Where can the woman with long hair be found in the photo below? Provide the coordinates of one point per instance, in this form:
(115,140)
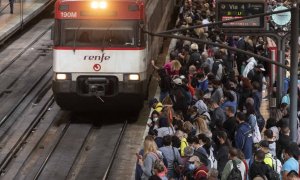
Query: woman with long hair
(201,127)
(151,154)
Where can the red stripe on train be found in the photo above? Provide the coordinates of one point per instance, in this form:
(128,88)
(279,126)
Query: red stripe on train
(93,48)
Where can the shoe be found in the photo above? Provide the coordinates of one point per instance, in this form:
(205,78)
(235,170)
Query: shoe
(11,12)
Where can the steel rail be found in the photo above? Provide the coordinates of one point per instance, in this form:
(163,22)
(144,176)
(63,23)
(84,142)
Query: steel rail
(12,110)
(24,50)
(1,10)
(37,175)
(26,134)
(115,152)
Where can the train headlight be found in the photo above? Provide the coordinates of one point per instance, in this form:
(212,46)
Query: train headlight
(134,77)
(94,5)
(63,76)
(103,5)
(99,5)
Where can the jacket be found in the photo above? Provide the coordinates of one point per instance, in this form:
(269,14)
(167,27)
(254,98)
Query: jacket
(222,157)
(252,63)
(218,118)
(244,140)
(183,145)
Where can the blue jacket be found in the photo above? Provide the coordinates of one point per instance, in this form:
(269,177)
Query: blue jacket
(244,139)
(229,103)
(203,86)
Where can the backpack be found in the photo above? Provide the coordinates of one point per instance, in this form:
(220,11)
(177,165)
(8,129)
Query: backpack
(212,159)
(216,67)
(179,98)
(203,158)
(256,134)
(255,131)
(272,174)
(160,160)
(235,173)
(247,134)
(277,166)
(260,122)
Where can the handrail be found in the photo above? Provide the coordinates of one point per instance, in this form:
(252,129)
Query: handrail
(4,8)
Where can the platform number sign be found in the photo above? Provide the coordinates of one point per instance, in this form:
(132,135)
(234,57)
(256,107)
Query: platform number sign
(232,9)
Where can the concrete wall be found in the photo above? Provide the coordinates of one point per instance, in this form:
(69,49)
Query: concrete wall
(158,16)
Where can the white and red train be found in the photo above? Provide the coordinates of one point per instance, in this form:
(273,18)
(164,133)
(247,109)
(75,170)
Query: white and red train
(99,54)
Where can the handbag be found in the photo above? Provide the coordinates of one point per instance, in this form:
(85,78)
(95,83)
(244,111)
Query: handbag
(178,169)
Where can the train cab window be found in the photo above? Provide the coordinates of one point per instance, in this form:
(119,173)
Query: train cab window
(100,34)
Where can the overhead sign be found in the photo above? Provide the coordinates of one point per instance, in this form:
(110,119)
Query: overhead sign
(233,9)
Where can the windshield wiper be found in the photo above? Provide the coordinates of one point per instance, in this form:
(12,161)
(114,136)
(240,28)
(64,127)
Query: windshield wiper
(75,38)
(104,38)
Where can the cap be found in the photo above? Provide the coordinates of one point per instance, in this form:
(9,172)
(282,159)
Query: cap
(194,159)
(264,143)
(177,81)
(194,46)
(188,151)
(261,67)
(182,77)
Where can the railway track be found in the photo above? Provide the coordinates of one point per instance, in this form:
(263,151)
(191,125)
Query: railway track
(25,76)
(21,60)
(72,152)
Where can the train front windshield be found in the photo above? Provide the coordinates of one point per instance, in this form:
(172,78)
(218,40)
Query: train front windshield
(97,33)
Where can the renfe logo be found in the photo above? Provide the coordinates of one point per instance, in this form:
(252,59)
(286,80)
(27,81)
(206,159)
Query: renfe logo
(100,58)
(97,67)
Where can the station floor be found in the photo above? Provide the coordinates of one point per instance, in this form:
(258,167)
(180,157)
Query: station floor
(24,11)
(265,107)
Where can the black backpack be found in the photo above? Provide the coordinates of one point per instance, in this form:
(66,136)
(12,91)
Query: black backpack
(272,174)
(203,158)
(216,67)
(235,173)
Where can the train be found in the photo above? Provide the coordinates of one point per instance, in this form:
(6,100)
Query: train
(100,55)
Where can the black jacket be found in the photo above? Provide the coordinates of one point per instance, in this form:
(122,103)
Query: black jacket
(230,125)
(222,157)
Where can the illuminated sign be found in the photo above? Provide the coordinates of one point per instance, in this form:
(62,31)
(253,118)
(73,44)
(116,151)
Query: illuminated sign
(233,9)
(98,13)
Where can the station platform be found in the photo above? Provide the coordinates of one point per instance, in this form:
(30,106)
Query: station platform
(265,106)
(24,11)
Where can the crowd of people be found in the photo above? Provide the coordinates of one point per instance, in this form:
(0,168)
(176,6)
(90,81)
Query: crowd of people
(206,122)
